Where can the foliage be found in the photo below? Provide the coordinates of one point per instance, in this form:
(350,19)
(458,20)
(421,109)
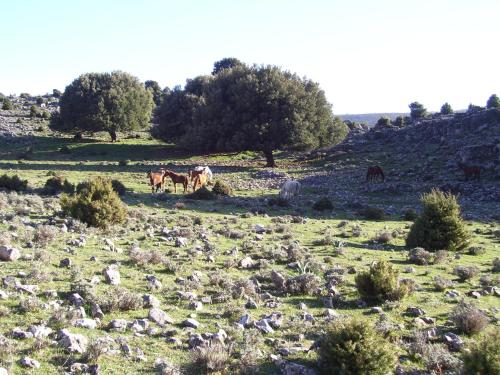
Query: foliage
(383,122)
(419,256)
(496,265)
(7,104)
(472,108)
(35,111)
(446,109)
(118,187)
(214,357)
(259,108)
(13,182)
(323,204)
(95,203)
(56,93)
(202,194)
(468,318)
(221,188)
(108,102)
(58,184)
(440,225)
(483,358)
(226,63)
(156,91)
(372,213)
(400,121)
(354,347)
(417,111)
(493,102)
(380,283)
(410,214)
(465,272)
(278,201)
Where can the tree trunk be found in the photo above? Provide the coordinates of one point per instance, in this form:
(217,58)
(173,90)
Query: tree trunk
(269,158)
(112,134)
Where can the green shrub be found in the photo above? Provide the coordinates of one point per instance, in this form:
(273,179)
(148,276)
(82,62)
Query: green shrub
(58,184)
(380,283)
(410,214)
(280,202)
(34,111)
(483,356)
(202,194)
(419,256)
(496,265)
(118,187)
(465,272)
(95,203)
(353,347)
(13,183)
(468,318)
(323,204)
(7,105)
(440,225)
(372,213)
(221,188)
(476,250)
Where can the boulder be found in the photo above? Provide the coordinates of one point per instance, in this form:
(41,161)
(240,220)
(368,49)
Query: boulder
(72,342)
(159,316)
(9,254)
(111,275)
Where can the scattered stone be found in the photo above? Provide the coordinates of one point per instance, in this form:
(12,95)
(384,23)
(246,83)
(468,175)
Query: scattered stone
(9,254)
(18,333)
(454,341)
(95,311)
(40,331)
(65,263)
(259,229)
(76,300)
(118,324)
(111,275)
(159,316)
(72,342)
(415,311)
(3,371)
(85,323)
(149,301)
(29,362)
(376,310)
(192,323)
(251,304)
(263,326)
(195,305)
(181,242)
(246,262)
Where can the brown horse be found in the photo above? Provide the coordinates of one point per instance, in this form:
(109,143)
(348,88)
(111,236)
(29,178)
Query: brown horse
(471,172)
(156,180)
(178,179)
(374,173)
(192,173)
(200,179)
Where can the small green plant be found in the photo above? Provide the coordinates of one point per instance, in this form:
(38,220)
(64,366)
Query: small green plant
(372,213)
(202,194)
(118,187)
(380,283)
(221,188)
(13,183)
(58,184)
(354,347)
(323,204)
(95,203)
(440,225)
(483,357)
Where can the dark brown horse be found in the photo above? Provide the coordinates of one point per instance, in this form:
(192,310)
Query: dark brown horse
(471,172)
(178,179)
(156,180)
(374,173)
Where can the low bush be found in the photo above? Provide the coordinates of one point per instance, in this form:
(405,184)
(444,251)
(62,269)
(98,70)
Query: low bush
(381,283)
(280,202)
(354,347)
(45,234)
(419,256)
(123,163)
(305,284)
(476,250)
(440,256)
(468,318)
(221,188)
(323,204)
(95,203)
(496,265)
(211,358)
(465,272)
(440,225)
(372,213)
(13,183)
(58,184)
(483,357)
(202,194)
(410,214)
(382,237)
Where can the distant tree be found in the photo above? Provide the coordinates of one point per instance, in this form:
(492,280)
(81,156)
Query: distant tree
(25,95)
(155,90)
(383,122)
(474,108)
(399,121)
(249,108)
(446,109)
(56,93)
(417,111)
(493,102)
(35,111)
(7,104)
(40,100)
(108,102)
(226,63)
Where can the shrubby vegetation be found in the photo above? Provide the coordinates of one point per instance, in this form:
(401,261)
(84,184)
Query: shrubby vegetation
(14,183)
(95,203)
(239,108)
(440,225)
(109,102)
(417,111)
(221,188)
(323,204)
(353,347)
(58,184)
(483,357)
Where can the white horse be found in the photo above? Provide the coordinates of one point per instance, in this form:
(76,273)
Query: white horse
(290,189)
(205,170)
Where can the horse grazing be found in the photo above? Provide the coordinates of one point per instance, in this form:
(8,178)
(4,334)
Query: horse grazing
(289,189)
(199,170)
(471,172)
(374,173)
(177,179)
(200,179)
(156,180)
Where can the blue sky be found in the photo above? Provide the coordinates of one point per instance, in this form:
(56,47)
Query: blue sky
(368,56)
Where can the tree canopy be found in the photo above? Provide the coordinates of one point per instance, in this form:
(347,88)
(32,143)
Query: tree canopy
(493,102)
(155,90)
(108,102)
(417,111)
(258,108)
(446,109)
(226,63)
